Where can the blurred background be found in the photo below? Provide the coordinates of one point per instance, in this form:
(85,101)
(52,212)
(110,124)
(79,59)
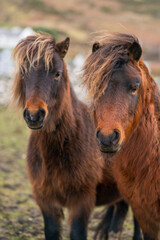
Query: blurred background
(20,218)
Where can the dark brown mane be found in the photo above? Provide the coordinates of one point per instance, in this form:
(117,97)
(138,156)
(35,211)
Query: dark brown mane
(112,52)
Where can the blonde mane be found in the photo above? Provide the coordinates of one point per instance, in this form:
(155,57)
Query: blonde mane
(99,66)
(32,49)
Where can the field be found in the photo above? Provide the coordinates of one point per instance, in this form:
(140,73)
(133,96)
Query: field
(79,18)
(20,218)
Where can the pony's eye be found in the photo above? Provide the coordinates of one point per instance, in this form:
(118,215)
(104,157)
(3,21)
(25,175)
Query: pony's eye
(57,74)
(133,89)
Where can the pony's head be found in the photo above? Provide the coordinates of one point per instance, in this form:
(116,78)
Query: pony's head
(116,84)
(41,80)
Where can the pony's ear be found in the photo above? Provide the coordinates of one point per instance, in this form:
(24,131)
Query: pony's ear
(62,47)
(135,51)
(95,46)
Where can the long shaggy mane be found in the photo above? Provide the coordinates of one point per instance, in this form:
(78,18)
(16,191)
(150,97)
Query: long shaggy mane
(34,48)
(99,66)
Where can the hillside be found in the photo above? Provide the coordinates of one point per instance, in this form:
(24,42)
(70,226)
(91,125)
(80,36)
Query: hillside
(79,18)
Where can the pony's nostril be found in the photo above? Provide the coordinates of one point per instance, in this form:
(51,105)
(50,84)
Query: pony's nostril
(115,137)
(26,114)
(42,114)
(97,133)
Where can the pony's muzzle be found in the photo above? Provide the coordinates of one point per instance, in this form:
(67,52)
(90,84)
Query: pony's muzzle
(109,143)
(34,120)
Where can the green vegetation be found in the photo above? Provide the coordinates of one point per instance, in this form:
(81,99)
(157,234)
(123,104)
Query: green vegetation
(13,131)
(79,19)
(105,9)
(72,12)
(52,31)
(41,6)
(151,7)
(17,207)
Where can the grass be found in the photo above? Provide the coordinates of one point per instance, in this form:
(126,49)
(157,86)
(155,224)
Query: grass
(41,6)
(72,12)
(51,31)
(80,18)
(105,9)
(20,218)
(13,131)
(150,7)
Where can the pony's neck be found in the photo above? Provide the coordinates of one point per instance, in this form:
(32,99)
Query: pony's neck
(62,118)
(142,149)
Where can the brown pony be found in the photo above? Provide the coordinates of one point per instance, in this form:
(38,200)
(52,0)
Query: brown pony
(126,105)
(64,164)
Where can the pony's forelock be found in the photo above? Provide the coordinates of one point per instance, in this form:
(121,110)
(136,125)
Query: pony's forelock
(99,66)
(27,54)
(31,50)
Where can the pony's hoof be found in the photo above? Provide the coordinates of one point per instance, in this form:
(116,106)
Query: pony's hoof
(114,236)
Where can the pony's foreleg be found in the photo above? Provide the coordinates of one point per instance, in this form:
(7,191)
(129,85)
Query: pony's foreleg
(118,220)
(79,221)
(104,226)
(137,230)
(52,224)
(79,228)
(112,222)
(120,212)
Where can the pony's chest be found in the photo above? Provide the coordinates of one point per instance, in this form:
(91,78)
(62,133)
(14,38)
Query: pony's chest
(64,175)
(64,185)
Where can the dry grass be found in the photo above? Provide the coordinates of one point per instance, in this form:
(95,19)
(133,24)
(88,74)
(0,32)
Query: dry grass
(79,18)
